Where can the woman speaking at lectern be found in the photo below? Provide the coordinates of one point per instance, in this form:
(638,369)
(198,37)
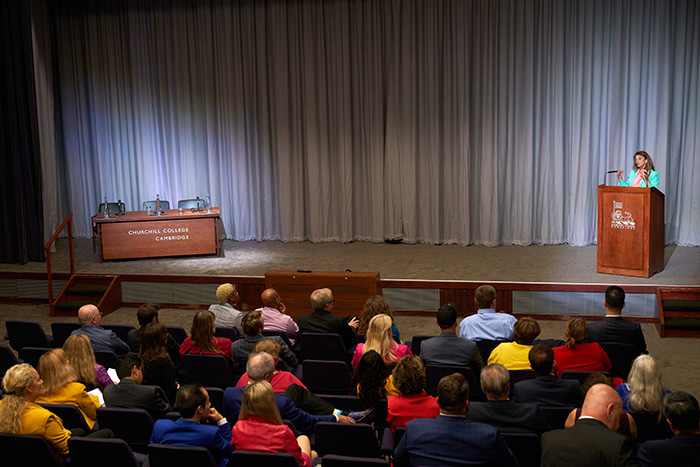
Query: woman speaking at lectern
(642,173)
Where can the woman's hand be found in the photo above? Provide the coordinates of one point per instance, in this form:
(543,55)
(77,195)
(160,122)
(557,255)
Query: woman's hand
(619,175)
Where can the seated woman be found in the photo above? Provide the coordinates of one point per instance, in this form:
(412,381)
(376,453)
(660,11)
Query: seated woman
(412,401)
(372,380)
(253,325)
(644,390)
(82,359)
(260,428)
(379,339)
(377,305)
(60,386)
(158,368)
(514,355)
(577,355)
(201,339)
(627,425)
(281,380)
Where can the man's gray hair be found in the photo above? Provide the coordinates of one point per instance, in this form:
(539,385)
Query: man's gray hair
(260,365)
(320,298)
(494,380)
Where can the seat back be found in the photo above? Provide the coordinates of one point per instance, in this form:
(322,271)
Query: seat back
(113,207)
(358,440)
(263,459)
(342,401)
(486,347)
(85,451)
(322,346)
(121,330)
(580,375)
(334,460)
(106,358)
(216,397)
(524,446)
(210,370)
(27,334)
(228,333)
(7,360)
(134,426)
(18,449)
(163,455)
(178,333)
(32,355)
(61,332)
(556,416)
(152,204)
(417,341)
(621,357)
(281,334)
(434,373)
(196,203)
(519,375)
(70,414)
(325,376)
(650,427)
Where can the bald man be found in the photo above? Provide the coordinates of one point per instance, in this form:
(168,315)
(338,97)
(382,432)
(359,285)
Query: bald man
(273,314)
(101,339)
(593,439)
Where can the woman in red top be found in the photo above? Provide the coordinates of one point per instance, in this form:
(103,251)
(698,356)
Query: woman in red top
(281,380)
(202,340)
(413,402)
(260,427)
(577,355)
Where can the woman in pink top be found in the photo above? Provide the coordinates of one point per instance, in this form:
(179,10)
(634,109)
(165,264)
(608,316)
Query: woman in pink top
(380,340)
(281,380)
(260,427)
(577,355)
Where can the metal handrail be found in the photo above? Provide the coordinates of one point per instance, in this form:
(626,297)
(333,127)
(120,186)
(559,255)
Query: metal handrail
(47,248)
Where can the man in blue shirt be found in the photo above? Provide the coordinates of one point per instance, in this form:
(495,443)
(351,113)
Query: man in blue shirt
(101,339)
(193,403)
(487,324)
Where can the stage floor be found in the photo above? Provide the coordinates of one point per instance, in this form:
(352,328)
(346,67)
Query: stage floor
(546,264)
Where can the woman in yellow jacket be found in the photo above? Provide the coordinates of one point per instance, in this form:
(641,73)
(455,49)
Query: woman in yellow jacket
(60,386)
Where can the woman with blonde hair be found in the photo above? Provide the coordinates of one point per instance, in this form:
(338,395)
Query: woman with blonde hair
(379,339)
(644,390)
(158,368)
(260,426)
(82,359)
(577,355)
(202,340)
(377,305)
(61,387)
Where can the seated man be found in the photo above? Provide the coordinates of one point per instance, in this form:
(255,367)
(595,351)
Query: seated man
(253,326)
(323,320)
(130,394)
(260,367)
(273,314)
(101,339)
(226,315)
(614,328)
(193,403)
(514,355)
(486,324)
(146,314)
(450,438)
(499,411)
(546,389)
(683,416)
(448,348)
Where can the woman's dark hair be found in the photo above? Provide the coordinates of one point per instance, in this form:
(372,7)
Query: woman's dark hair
(154,343)
(368,379)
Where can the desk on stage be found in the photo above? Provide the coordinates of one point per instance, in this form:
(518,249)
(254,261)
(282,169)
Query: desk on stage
(135,234)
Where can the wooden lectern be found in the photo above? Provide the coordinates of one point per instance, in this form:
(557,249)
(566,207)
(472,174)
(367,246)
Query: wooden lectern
(630,231)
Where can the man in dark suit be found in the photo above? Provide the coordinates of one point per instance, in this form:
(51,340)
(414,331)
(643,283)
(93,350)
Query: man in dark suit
(683,416)
(260,367)
(546,389)
(593,439)
(129,394)
(147,314)
(614,328)
(323,320)
(193,403)
(499,411)
(451,439)
(448,348)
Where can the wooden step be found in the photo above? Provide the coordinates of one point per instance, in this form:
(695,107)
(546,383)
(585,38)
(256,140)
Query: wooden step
(678,312)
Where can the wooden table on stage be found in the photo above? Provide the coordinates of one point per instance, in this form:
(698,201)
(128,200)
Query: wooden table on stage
(135,234)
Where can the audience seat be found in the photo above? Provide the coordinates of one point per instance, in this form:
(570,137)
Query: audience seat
(342,401)
(417,341)
(391,440)
(323,346)
(328,377)
(7,360)
(162,455)
(519,375)
(121,330)
(210,370)
(433,374)
(621,357)
(27,450)
(87,452)
(333,460)
(70,414)
(281,334)
(486,347)
(61,332)
(556,416)
(27,334)
(228,333)
(178,333)
(32,355)
(106,358)
(262,459)
(581,375)
(525,446)
(358,440)
(134,426)
(650,427)
(216,397)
